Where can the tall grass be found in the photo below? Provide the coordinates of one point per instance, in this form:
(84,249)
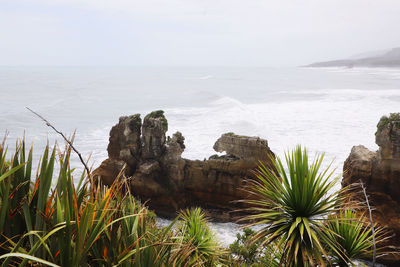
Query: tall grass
(68,225)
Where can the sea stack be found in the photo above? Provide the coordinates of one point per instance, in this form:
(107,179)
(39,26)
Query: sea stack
(380,172)
(159,175)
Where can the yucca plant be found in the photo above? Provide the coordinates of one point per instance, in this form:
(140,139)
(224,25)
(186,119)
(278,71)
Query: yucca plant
(200,241)
(352,232)
(291,205)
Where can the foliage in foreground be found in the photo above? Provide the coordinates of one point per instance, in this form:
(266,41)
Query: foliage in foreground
(297,209)
(351,231)
(254,254)
(60,224)
(244,251)
(67,225)
(194,229)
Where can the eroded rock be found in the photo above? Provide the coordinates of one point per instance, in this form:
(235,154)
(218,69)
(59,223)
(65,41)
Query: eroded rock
(154,128)
(358,165)
(159,175)
(108,171)
(243,147)
(380,172)
(125,143)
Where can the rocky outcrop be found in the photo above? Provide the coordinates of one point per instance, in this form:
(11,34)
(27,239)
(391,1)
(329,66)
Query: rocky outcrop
(125,143)
(159,175)
(154,128)
(380,172)
(245,148)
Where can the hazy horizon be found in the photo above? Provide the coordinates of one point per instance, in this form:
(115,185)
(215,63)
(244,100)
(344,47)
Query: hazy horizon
(193,32)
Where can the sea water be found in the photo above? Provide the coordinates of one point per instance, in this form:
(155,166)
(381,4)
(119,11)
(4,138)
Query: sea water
(326,110)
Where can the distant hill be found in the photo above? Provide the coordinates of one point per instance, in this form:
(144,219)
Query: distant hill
(388,58)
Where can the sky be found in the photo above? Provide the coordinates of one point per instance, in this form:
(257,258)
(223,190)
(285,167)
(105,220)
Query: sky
(193,32)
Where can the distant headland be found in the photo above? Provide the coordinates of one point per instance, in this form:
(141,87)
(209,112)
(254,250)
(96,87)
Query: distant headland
(388,58)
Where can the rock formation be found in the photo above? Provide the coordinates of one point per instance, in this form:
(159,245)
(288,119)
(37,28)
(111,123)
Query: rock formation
(380,172)
(158,174)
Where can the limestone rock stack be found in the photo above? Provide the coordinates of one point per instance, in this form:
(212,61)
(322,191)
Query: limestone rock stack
(158,174)
(380,172)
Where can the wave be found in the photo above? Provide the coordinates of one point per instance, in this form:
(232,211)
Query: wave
(207,77)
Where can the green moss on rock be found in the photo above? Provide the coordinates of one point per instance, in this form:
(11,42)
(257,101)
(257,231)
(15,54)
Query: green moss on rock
(235,135)
(223,157)
(180,139)
(385,121)
(135,122)
(158,114)
(177,137)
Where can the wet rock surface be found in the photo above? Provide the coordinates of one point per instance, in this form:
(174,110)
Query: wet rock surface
(380,172)
(159,175)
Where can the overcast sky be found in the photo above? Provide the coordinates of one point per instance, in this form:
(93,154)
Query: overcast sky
(193,32)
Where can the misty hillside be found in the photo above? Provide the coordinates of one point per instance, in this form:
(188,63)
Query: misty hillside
(390,58)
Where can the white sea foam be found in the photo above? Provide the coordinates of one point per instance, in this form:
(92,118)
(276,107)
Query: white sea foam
(206,77)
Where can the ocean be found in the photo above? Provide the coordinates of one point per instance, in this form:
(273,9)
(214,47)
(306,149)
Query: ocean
(327,110)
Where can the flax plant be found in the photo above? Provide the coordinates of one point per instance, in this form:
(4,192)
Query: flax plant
(48,220)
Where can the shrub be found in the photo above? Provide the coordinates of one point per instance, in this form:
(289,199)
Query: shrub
(302,216)
(291,205)
(352,232)
(244,251)
(203,248)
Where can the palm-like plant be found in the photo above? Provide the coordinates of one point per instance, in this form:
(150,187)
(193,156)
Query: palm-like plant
(199,239)
(352,232)
(292,205)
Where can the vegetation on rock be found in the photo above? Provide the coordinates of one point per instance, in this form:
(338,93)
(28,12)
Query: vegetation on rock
(177,137)
(135,122)
(158,114)
(384,121)
(235,135)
